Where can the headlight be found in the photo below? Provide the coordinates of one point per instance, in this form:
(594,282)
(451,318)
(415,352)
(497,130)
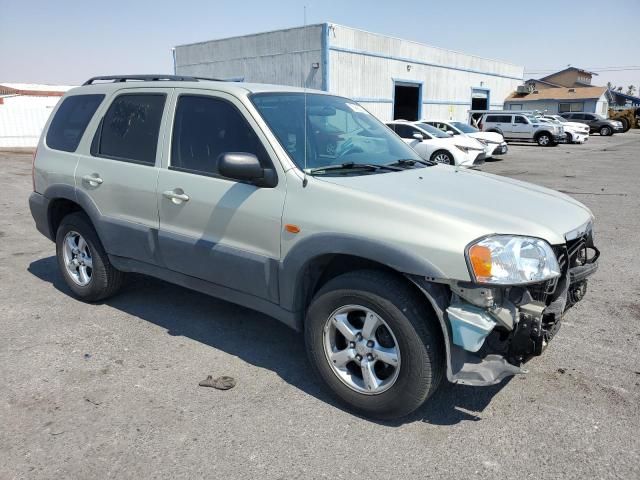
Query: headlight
(468,149)
(510,260)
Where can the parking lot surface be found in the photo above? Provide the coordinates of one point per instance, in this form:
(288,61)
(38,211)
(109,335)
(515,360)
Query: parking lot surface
(111,390)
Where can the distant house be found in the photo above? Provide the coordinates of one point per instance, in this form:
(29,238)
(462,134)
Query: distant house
(569,77)
(24,110)
(568,90)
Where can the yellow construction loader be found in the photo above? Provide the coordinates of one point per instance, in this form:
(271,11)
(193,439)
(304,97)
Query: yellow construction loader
(630,117)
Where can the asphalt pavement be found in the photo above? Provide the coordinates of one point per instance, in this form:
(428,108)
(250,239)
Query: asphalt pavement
(111,390)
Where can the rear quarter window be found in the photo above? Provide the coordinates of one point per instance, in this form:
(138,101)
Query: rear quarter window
(71,120)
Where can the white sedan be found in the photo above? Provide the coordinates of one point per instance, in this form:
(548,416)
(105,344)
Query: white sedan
(576,132)
(494,141)
(433,144)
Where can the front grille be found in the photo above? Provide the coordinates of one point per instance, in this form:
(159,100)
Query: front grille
(569,255)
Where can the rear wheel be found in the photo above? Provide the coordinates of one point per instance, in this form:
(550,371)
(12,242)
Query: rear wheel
(442,156)
(374,344)
(606,131)
(82,260)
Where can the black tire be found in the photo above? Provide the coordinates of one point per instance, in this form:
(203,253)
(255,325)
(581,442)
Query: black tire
(569,138)
(105,279)
(606,131)
(545,139)
(442,154)
(625,124)
(414,326)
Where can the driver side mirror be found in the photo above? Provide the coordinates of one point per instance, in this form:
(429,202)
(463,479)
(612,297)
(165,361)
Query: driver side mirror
(246,167)
(418,136)
(450,133)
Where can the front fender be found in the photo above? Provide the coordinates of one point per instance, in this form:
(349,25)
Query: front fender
(294,265)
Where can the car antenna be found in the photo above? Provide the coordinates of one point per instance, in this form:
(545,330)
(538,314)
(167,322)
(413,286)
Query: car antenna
(304,119)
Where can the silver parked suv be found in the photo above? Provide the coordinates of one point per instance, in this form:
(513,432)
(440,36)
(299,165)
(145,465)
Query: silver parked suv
(522,127)
(304,206)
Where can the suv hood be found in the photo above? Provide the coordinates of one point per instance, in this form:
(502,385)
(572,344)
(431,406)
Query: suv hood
(575,126)
(469,204)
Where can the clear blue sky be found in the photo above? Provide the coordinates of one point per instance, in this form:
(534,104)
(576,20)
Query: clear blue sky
(67,41)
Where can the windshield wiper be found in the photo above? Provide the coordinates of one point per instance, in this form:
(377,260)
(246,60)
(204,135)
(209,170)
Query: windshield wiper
(410,162)
(353,166)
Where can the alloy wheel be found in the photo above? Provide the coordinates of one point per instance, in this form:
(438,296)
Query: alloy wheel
(77,258)
(443,158)
(361,349)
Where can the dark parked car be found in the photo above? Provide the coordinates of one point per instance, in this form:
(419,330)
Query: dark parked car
(597,123)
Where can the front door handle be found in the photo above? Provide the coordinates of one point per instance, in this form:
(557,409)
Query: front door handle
(93,180)
(177,196)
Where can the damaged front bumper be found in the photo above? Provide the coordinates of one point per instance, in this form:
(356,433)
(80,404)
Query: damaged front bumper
(492,331)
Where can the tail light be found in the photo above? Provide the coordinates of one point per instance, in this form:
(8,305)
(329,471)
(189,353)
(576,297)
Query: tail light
(33,169)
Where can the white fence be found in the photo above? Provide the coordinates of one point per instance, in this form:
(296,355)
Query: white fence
(22,120)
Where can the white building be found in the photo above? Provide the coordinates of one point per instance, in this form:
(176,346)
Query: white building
(24,110)
(393,78)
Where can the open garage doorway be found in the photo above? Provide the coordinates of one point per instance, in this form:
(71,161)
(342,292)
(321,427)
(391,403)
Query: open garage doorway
(479,99)
(407,101)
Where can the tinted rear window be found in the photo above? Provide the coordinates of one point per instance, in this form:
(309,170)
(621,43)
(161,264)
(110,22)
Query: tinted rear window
(71,120)
(498,119)
(130,128)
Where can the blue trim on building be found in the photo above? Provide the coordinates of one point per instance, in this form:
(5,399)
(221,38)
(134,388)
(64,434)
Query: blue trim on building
(173,54)
(325,57)
(372,100)
(424,102)
(418,62)
(446,102)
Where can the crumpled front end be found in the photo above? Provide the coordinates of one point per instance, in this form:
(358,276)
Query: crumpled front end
(493,331)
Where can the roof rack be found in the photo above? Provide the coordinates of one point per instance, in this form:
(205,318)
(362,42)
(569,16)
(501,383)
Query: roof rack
(147,78)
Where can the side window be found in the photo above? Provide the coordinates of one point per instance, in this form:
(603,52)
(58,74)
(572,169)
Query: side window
(71,120)
(498,119)
(589,117)
(577,116)
(205,128)
(521,119)
(129,129)
(405,131)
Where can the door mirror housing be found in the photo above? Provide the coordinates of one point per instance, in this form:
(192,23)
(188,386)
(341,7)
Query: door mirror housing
(246,167)
(450,133)
(418,136)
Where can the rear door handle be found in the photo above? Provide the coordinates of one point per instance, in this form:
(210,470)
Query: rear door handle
(177,196)
(93,180)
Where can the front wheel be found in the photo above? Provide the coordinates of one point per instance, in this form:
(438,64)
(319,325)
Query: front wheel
(569,138)
(444,157)
(375,345)
(545,140)
(606,131)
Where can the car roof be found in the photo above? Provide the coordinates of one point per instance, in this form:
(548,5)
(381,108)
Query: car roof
(234,88)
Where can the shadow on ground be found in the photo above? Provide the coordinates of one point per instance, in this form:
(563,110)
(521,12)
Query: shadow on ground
(257,339)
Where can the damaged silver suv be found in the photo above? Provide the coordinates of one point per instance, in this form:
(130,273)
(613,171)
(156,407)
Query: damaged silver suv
(302,205)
